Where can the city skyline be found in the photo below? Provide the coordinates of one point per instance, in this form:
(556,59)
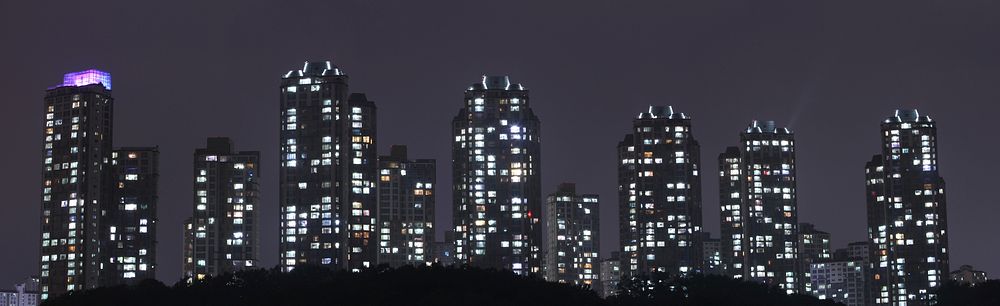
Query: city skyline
(585,133)
(496,127)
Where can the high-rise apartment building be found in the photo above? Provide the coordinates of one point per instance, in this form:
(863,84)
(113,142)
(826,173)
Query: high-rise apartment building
(406,209)
(77,139)
(98,204)
(907,212)
(328,172)
(814,246)
(572,249)
(496,164)
(130,234)
(224,222)
(757,192)
(659,195)
(732,242)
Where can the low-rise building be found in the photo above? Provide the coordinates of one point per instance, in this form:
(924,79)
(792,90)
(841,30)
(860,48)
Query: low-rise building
(967,276)
(24,294)
(844,278)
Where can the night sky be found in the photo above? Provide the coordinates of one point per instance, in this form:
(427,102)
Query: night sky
(830,70)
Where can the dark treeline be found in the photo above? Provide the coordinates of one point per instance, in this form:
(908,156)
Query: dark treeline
(662,289)
(457,286)
(983,294)
(321,286)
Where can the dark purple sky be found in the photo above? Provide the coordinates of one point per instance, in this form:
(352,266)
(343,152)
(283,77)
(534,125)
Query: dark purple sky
(831,70)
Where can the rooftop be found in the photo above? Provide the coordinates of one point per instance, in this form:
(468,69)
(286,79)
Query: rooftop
(766,127)
(661,112)
(495,82)
(314,69)
(87,77)
(907,115)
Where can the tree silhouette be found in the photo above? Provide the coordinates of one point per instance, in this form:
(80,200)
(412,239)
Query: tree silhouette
(435,285)
(953,293)
(664,289)
(309,285)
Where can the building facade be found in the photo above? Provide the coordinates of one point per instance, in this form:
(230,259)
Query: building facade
(572,249)
(224,221)
(659,195)
(23,294)
(712,255)
(444,250)
(406,209)
(759,216)
(840,280)
(327,175)
(611,275)
(130,237)
(858,249)
(814,246)
(496,170)
(187,250)
(907,212)
(844,277)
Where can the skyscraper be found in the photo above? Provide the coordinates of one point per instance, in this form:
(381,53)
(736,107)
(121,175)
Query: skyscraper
(732,241)
(98,204)
(758,207)
(130,242)
(907,212)
(659,195)
(496,165)
(226,199)
(572,249)
(814,246)
(327,175)
(78,134)
(406,209)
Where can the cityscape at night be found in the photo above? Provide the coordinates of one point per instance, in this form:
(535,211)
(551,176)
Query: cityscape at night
(501,153)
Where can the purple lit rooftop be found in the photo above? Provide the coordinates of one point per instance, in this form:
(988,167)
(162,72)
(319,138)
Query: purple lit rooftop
(87,77)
